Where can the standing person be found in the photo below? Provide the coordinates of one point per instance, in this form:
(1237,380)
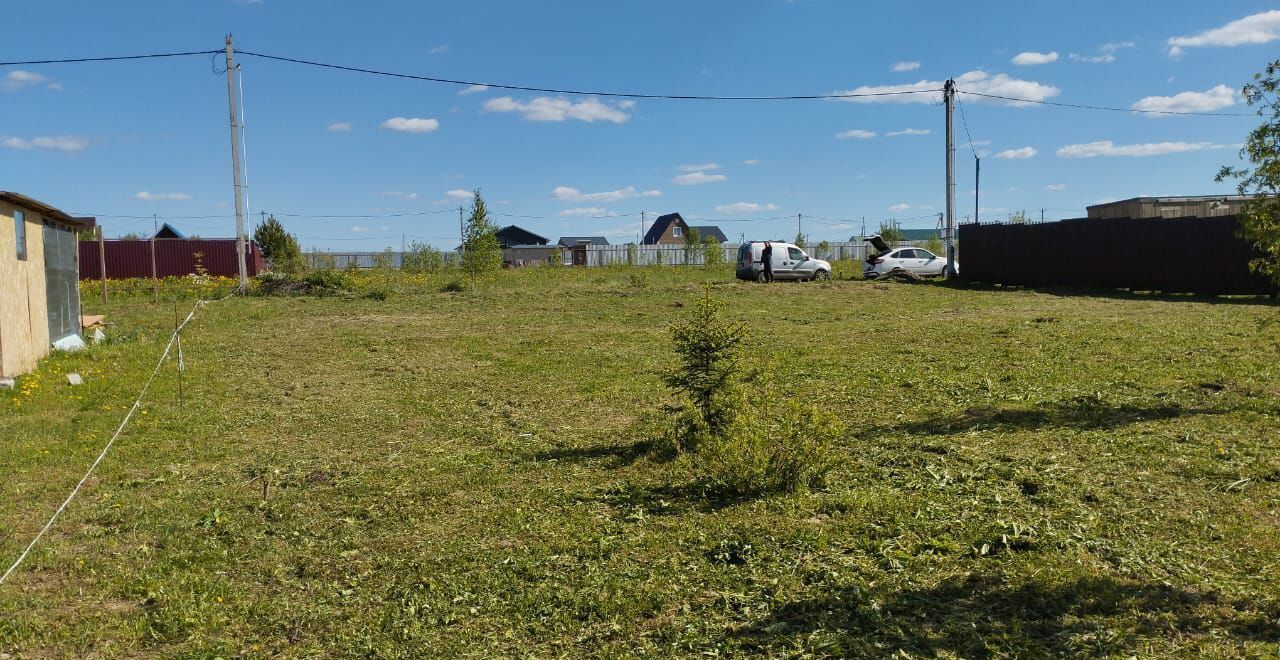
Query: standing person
(766,256)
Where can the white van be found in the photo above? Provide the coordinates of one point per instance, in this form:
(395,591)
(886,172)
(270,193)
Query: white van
(789,263)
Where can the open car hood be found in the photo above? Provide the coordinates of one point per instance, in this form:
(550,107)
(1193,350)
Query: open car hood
(878,243)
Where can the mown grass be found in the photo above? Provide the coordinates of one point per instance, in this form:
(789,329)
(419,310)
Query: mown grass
(465,474)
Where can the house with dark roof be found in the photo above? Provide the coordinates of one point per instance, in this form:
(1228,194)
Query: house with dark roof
(670,229)
(572,241)
(169,231)
(511,236)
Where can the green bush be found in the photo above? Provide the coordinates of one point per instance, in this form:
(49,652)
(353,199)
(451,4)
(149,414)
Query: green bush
(328,281)
(740,441)
(453,286)
(767,451)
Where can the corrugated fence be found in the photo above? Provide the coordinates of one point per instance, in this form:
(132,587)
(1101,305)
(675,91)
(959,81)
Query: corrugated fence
(173,256)
(1190,255)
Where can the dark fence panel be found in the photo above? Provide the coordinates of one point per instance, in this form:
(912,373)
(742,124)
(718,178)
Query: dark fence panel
(174,256)
(1193,255)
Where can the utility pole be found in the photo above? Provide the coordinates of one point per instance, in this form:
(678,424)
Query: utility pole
(864,227)
(237,172)
(462,234)
(799,232)
(977,188)
(949,95)
(642,227)
(1042,216)
(155,224)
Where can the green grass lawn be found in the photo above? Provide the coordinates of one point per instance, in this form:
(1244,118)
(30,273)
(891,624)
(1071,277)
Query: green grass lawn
(1024,474)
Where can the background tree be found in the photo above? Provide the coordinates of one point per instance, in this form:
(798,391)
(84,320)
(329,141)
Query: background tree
(890,232)
(481,252)
(1260,217)
(801,239)
(278,246)
(1019,218)
(692,241)
(712,253)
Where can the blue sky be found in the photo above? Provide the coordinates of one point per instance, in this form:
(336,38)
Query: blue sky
(151,137)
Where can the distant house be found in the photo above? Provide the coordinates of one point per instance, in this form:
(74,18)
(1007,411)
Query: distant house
(39,291)
(513,236)
(920,234)
(169,231)
(574,241)
(670,229)
(1198,206)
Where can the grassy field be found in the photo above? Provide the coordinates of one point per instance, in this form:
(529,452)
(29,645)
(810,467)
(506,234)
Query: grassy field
(464,474)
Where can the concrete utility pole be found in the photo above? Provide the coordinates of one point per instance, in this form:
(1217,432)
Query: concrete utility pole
(642,227)
(462,234)
(237,171)
(864,226)
(1041,215)
(799,231)
(949,96)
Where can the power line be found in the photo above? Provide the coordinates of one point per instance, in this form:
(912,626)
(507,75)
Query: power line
(553,90)
(115,58)
(965,122)
(1107,108)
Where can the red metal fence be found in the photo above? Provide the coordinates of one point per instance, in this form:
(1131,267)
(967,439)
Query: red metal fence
(1195,255)
(173,256)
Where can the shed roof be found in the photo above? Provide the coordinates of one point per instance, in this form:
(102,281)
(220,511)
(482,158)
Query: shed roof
(169,231)
(513,235)
(710,230)
(570,241)
(53,213)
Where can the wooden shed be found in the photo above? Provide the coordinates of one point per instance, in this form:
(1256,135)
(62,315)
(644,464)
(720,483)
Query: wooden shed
(39,281)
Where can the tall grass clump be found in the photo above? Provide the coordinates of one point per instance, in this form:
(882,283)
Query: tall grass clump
(741,441)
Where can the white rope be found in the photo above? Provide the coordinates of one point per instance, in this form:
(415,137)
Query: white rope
(136,403)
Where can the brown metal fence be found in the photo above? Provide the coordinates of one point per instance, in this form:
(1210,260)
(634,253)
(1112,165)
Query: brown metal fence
(173,256)
(1192,255)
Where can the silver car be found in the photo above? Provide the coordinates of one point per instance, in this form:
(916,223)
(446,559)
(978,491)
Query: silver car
(917,261)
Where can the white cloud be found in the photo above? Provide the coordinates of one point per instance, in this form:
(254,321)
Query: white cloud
(745,207)
(1032,58)
(56,143)
(698,178)
(855,133)
(1216,98)
(439,49)
(587,212)
(18,79)
(899,208)
(1107,53)
(1258,28)
(1108,148)
(162,197)
(1056,187)
(340,127)
(909,131)
(546,108)
(751,161)
(411,124)
(700,167)
(972,81)
(473,89)
(459,193)
(400,195)
(359,229)
(902,67)
(1016,154)
(568,194)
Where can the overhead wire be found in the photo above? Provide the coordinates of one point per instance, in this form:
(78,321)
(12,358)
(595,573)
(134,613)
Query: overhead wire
(581,92)
(113,58)
(1082,106)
